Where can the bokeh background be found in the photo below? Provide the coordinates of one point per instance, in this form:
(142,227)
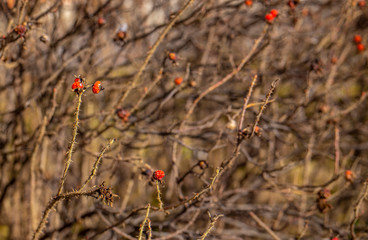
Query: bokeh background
(288,182)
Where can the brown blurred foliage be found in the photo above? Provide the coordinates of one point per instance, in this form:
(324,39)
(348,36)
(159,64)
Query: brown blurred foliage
(284,180)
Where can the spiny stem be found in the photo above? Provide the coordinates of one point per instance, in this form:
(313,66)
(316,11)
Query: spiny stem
(212,224)
(246,100)
(95,165)
(72,144)
(266,101)
(144,223)
(159,195)
(53,203)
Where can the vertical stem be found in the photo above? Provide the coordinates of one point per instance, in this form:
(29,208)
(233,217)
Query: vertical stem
(337,149)
(144,223)
(72,144)
(159,195)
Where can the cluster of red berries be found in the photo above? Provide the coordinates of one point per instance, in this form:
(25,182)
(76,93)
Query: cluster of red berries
(78,85)
(358,40)
(158,175)
(271,15)
(79,82)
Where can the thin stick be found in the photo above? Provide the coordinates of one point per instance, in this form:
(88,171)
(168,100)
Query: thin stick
(95,165)
(144,223)
(263,225)
(72,144)
(337,149)
(266,101)
(151,52)
(212,224)
(227,77)
(246,100)
(363,195)
(52,204)
(158,78)
(33,162)
(159,195)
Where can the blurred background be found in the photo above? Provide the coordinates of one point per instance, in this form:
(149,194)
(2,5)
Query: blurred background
(303,175)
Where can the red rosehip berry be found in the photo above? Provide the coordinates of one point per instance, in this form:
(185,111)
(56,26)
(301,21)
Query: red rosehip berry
(178,80)
(269,17)
(335,238)
(360,47)
(361,3)
(101,21)
(158,175)
(357,38)
(77,86)
(122,32)
(248,3)
(96,88)
(274,12)
(77,80)
(172,56)
(121,35)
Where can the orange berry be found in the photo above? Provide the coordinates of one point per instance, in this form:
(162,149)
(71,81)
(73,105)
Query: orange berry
(349,175)
(11,4)
(274,12)
(360,47)
(203,164)
(178,80)
(357,38)
(172,56)
(269,17)
(248,2)
(257,131)
(121,35)
(97,87)
(361,3)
